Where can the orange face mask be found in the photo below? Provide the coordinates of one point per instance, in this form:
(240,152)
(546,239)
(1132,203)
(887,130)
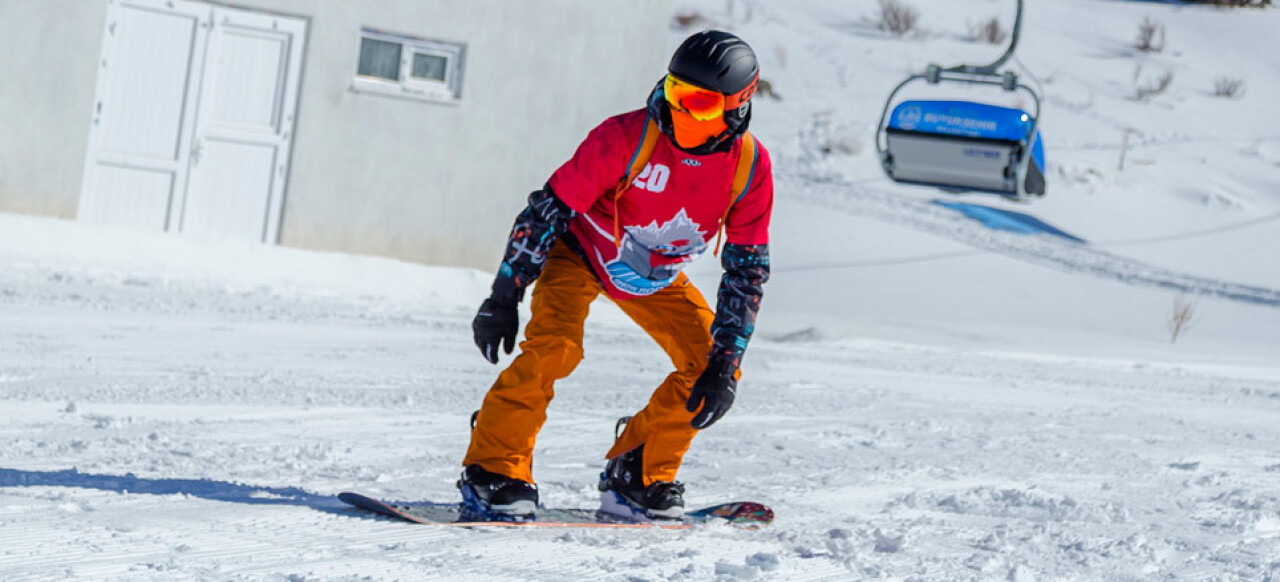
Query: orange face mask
(691,133)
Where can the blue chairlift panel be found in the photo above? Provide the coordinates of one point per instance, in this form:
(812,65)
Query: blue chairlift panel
(961,145)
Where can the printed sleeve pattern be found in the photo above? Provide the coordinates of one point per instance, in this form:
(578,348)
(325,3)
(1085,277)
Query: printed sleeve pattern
(746,270)
(536,229)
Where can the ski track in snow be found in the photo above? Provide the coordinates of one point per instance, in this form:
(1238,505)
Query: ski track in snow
(239,415)
(1042,250)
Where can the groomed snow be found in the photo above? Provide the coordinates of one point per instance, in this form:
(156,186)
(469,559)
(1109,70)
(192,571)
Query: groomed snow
(925,399)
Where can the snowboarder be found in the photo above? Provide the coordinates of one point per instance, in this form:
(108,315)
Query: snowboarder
(642,197)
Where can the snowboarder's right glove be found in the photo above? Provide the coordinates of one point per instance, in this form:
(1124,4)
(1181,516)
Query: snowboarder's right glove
(536,229)
(498,321)
(714,392)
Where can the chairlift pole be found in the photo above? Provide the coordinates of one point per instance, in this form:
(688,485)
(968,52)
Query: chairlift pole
(992,68)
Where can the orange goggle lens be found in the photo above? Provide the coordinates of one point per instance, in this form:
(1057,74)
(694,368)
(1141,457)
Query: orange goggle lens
(702,104)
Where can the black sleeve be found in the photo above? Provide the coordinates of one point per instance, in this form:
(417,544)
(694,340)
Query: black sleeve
(746,269)
(535,231)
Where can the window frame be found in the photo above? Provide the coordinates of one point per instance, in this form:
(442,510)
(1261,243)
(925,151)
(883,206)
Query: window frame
(408,86)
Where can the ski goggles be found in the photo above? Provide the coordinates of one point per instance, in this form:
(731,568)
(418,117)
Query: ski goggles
(703,104)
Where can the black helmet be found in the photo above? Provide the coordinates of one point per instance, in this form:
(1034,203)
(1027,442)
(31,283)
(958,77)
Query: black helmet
(721,62)
(716,60)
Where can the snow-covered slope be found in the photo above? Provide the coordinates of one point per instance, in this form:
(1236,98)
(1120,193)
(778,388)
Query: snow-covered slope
(1199,196)
(926,399)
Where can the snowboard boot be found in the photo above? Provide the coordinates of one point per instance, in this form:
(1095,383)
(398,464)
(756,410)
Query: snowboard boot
(624,493)
(494,496)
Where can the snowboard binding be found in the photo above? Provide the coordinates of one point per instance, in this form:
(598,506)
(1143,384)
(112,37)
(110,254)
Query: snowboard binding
(623,491)
(488,496)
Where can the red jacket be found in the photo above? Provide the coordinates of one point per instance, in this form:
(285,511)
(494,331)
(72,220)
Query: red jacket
(669,215)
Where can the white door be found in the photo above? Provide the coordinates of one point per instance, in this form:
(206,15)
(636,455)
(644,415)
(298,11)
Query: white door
(206,119)
(139,143)
(244,127)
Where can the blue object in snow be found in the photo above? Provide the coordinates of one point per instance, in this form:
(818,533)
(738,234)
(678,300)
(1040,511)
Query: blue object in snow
(1007,220)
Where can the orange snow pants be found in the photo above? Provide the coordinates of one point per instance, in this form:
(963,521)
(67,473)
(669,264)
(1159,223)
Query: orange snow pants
(515,407)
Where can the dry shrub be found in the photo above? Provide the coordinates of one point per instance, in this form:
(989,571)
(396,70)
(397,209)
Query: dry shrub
(1155,86)
(1182,316)
(897,18)
(845,144)
(689,18)
(1235,3)
(1150,36)
(729,10)
(988,31)
(765,88)
(826,138)
(1228,87)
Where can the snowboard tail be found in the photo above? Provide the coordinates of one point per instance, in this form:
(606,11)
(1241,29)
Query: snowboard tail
(742,514)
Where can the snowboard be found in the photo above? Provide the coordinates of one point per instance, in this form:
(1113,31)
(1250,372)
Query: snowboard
(742,514)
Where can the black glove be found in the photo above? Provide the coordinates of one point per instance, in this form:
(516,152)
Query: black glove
(714,392)
(496,322)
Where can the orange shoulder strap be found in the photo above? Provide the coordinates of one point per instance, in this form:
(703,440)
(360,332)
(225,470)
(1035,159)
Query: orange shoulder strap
(638,161)
(741,180)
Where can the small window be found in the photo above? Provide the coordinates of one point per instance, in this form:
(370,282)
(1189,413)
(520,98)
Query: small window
(379,58)
(406,66)
(430,67)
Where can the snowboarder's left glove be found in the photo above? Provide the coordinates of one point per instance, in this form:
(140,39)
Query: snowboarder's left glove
(497,322)
(714,392)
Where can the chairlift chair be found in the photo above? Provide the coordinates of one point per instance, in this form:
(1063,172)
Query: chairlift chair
(963,145)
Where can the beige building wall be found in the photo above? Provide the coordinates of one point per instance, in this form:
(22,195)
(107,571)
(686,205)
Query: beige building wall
(47,79)
(370,174)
